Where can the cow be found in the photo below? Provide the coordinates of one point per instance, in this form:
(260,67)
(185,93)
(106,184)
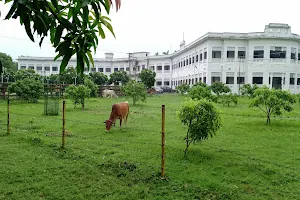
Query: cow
(119,111)
(109,93)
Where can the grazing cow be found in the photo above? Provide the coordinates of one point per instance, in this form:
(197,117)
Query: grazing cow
(119,111)
(109,93)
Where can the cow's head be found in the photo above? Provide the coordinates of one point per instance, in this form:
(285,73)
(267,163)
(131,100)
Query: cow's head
(108,125)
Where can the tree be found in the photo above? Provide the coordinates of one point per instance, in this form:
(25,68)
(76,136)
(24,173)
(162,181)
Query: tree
(7,63)
(74,25)
(199,92)
(134,90)
(119,76)
(78,94)
(183,88)
(248,90)
(92,86)
(53,79)
(28,89)
(202,119)
(219,88)
(226,99)
(201,84)
(272,101)
(70,76)
(148,77)
(27,73)
(98,78)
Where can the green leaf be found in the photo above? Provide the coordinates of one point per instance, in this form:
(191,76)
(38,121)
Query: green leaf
(91,58)
(86,60)
(58,34)
(41,41)
(12,10)
(55,3)
(65,61)
(101,32)
(1,67)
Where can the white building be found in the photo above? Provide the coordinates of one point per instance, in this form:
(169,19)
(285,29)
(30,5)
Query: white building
(271,57)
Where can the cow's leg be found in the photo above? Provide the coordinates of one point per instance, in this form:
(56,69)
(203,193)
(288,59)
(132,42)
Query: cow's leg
(120,122)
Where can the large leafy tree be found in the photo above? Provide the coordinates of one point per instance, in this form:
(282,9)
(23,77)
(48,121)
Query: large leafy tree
(148,77)
(117,77)
(248,90)
(27,73)
(98,78)
(202,119)
(7,63)
(74,25)
(199,92)
(272,101)
(219,88)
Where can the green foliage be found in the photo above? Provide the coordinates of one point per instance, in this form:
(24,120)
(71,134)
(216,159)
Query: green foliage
(183,88)
(98,78)
(78,94)
(92,86)
(272,101)
(7,63)
(27,73)
(148,77)
(202,119)
(134,90)
(248,90)
(201,84)
(54,79)
(119,76)
(226,99)
(219,88)
(68,76)
(74,26)
(199,92)
(27,89)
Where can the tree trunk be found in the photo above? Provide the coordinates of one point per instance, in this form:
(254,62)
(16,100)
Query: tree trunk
(268,120)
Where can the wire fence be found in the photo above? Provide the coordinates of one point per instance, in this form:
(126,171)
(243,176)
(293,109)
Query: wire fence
(121,147)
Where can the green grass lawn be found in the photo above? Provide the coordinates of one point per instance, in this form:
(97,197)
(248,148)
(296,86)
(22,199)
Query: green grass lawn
(245,160)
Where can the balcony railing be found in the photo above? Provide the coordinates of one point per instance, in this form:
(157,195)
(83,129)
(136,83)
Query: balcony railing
(277,60)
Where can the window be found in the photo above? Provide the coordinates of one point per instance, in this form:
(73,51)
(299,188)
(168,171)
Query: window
(200,56)
(115,69)
(298,56)
(298,81)
(205,55)
(240,80)
(187,61)
(54,69)
(143,66)
(278,52)
(229,80)
(230,54)
(167,67)
(159,68)
(215,79)
(257,80)
(197,57)
(107,70)
(167,83)
(292,79)
(23,67)
(193,59)
(184,63)
(241,54)
(31,67)
(100,69)
(158,83)
(122,69)
(93,69)
(293,53)
(216,54)
(190,61)
(39,68)
(47,68)
(127,68)
(204,79)
(258,54)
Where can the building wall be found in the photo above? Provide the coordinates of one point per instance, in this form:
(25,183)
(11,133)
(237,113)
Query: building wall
(186,65)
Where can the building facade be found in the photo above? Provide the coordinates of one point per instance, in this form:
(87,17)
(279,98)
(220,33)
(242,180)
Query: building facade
(271,58)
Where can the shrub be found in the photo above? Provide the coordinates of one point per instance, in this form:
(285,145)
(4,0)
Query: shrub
(78,94)
(199,92)
(248,90)
(134,90)
(226,99)
(219,88)
(202,119)
(28,89)
(92,86)
(183,88)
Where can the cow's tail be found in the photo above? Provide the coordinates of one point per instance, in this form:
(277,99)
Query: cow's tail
(127,112)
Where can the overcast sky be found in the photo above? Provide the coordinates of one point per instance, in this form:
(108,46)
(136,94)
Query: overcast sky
(158,25)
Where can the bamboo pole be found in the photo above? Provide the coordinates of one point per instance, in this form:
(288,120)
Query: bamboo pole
(8,117)
(163,142)
(64,125)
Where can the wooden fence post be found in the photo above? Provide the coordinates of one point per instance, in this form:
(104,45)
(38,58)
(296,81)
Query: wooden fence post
(8,111)
(163,142)
(64,125)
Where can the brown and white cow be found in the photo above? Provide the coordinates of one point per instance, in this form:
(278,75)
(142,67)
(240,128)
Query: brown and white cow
(119,111)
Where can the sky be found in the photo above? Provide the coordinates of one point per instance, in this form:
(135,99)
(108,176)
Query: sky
(158,25)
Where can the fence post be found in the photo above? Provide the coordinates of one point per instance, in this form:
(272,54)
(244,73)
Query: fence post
(64,125)
(163,142)
(8,110)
